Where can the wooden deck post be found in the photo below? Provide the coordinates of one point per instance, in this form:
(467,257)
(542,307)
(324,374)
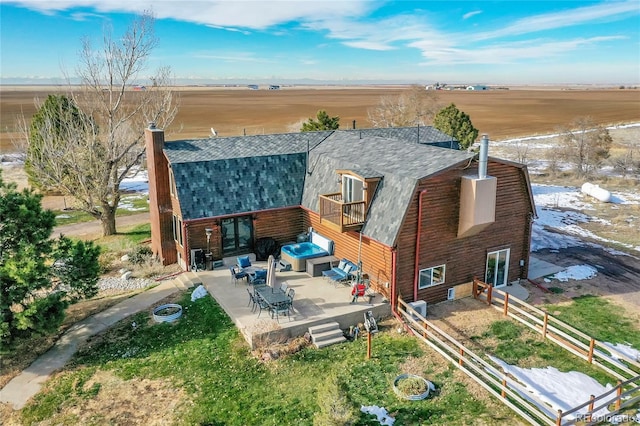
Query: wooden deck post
(489,293)
(544,324)
(590,412)
(506,304)
(426,327)
(460,361)
(619,395)
(591,346)
(559,418)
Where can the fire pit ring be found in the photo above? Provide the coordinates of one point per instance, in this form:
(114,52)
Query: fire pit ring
(167,313)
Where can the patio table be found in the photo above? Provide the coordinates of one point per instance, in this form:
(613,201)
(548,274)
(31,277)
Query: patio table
(272,296)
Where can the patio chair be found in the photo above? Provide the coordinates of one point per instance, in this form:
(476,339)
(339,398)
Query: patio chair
(235,276)
(358,290)
(260,303)
(284,286)
(243,262)
(258,277)
(336,270)
(252,300)
(343,274)
(281,308)
(291,294)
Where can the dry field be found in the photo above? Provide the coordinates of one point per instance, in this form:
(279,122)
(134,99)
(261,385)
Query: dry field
(236,111)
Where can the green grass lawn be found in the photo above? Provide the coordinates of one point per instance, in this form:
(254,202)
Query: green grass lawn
(205,356)
(600,319)
(518,345)
(129,204)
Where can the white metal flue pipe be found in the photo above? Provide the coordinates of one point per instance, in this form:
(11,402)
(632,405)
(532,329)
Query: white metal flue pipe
(484,157)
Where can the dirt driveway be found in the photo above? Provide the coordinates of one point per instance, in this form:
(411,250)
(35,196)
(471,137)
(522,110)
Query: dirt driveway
(618,277)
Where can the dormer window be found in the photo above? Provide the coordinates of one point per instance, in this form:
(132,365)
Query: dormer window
(352,189)
(347,210)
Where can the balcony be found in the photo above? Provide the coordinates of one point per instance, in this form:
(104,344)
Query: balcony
(339,215)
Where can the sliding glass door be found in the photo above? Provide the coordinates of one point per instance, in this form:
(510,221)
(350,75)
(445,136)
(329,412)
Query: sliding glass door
(497,273)
(237,235)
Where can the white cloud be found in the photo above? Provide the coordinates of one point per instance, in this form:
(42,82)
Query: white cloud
(564,19)
(471,14)
(242,14)
(503,53)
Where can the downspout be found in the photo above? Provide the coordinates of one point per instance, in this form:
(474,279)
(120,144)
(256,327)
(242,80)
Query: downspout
(417,255)
(394,296)
(185,246)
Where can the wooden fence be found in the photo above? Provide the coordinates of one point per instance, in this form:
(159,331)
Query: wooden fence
(575,341)
(493,378)
(490,376)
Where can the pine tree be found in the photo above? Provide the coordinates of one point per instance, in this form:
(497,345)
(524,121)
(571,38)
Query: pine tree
(457,124)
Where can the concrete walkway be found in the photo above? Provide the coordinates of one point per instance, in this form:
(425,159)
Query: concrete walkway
(28,383)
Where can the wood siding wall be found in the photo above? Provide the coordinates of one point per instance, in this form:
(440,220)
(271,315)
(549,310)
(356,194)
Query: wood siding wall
(464,257)
(282,225)
(376,257)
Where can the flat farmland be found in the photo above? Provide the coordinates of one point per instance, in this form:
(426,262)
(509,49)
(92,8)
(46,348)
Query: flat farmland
(237,111)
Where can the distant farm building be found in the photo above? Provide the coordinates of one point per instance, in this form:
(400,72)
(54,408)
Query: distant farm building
(477,88)
(274,87)
(253,86)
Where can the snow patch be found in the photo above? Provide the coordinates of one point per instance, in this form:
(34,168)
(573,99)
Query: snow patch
(576,272)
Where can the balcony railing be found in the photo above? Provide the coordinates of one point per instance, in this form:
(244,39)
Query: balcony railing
(340,215)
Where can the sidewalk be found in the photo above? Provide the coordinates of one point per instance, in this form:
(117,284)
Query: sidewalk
(28,383)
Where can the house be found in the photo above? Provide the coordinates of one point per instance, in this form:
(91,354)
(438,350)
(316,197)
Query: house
(423,218)
(477,88)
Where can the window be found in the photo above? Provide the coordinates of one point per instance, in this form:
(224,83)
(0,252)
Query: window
(352,189)
(172,183)
(431,276)
(177,229)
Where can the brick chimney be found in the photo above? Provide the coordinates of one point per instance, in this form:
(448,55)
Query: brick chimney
(160,211)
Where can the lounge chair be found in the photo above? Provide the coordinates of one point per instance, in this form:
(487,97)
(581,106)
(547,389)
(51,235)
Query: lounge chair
(342,272)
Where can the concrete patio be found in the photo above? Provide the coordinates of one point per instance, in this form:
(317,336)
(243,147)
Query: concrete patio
(317,301)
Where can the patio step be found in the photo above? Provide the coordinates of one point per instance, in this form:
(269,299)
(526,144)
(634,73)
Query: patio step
(187,280)
(326,334)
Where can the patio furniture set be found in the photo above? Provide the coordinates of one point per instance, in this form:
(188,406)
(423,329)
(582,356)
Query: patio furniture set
(264,296)
(275,300)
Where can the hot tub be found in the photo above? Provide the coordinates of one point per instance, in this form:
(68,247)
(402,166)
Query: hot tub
(297,254)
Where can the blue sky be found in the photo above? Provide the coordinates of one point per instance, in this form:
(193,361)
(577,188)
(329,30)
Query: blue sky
(473,42)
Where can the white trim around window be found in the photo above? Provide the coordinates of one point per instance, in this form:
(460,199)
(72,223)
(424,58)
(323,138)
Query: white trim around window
(431,276)
(177,230)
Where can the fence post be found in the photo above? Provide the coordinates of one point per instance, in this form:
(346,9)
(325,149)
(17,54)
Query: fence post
(475,288)
(489,292)
(506,304)
(590,412)
(619,395)
(544,324)
(591,346)
(426,327)
(504,384)
(461,355)
(559,418)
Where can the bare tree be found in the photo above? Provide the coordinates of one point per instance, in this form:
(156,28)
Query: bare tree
(415,106)
(627,162)
(585,145)
(107,145)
